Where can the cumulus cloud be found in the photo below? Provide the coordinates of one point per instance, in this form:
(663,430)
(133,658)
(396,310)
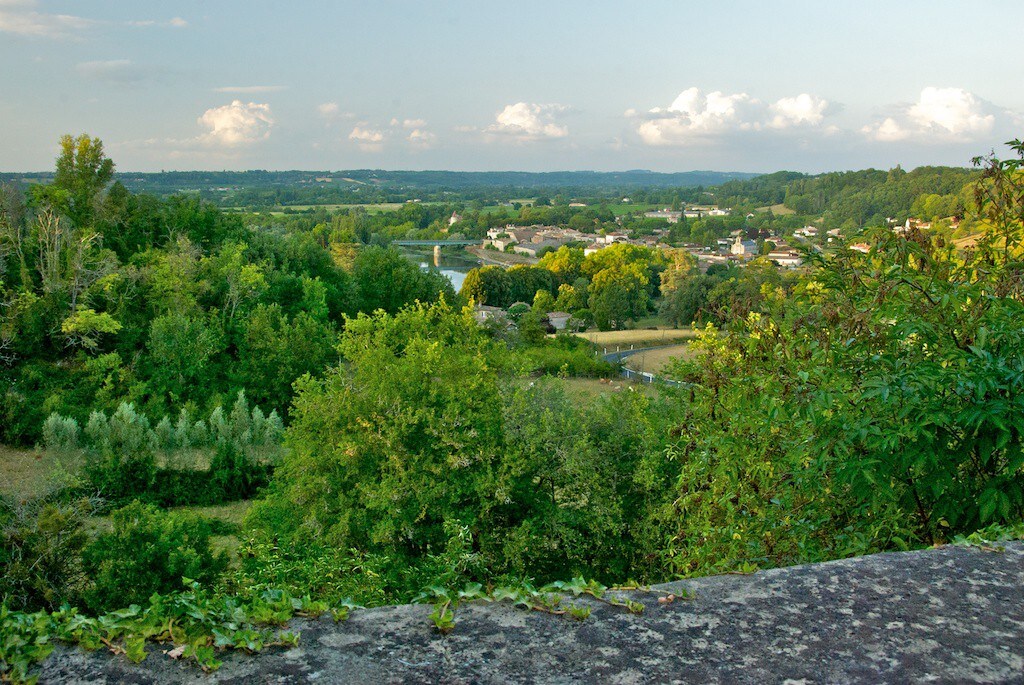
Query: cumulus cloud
(178,23)
(530,121)
(366,135)
(372,138)
(804,109)
(368,138)
(408,123)
(421,138)
(939,115)
(236,125)
(695,116)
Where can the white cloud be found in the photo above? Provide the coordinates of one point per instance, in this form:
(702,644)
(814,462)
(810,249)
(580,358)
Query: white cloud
(421,138)
(372,138)
(940,115)
(328,109)
(236,125)
(409,123)
(364,134)
(698,117)
(369,139)
(530,121)
(176,22)
(331,113)
(804,109)
(19,17)
(248,90)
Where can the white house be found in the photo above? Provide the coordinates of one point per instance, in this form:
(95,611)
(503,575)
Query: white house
(806,232)
(789,259)
(558,320)
(666,214)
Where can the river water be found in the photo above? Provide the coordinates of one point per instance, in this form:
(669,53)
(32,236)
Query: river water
(454,264)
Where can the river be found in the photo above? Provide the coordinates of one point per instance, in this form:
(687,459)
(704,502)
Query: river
(454,265)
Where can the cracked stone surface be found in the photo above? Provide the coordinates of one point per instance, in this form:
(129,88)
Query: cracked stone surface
(946,615)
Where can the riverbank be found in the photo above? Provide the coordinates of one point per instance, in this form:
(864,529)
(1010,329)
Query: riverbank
(500,258)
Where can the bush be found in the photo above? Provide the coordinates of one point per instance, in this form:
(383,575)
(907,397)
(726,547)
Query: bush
(121,476)
(60,433)
(556,361)
(148,551)
(40,553)
(233,475)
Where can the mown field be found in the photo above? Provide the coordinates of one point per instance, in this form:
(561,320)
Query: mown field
(777,210)
(640,337)
(655,361)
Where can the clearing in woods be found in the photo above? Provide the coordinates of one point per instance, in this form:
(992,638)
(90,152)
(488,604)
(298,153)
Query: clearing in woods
(27,473)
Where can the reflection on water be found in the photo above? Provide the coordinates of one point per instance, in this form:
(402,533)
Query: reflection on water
(454,265)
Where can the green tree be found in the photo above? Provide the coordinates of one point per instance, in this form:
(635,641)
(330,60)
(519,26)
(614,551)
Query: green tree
(387,280)
(83,172)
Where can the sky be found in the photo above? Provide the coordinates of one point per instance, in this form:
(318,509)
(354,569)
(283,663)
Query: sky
(477,85)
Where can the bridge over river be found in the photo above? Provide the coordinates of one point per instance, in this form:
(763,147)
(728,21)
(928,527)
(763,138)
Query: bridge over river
(436,244)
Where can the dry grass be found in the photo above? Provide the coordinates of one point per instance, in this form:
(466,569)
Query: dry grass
(641,337)
(233,512)
(654,361)
(29,473)
(777,210)
(586,390)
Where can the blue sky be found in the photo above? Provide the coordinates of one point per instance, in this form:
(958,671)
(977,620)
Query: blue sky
(477,85)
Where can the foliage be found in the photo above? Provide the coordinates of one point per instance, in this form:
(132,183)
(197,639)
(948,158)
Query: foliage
(121,453)
(415,452)
(40,565)
(200,623)
(566,356)
(877,407)
(148,551)
(386,280)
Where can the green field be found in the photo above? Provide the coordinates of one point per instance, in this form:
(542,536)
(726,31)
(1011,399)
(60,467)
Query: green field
(777,210)
(371,208)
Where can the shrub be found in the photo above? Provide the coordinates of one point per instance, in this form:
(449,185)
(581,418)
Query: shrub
(40,553)
(60,433)
(97,431)
(148,551)
(119,476)
(233,474)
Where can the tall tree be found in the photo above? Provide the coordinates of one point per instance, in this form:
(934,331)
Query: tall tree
(83,172)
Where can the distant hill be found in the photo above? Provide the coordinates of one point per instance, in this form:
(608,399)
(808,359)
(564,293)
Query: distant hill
(427,181)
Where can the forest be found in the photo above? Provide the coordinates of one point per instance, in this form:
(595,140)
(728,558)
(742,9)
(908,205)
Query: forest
(174,357)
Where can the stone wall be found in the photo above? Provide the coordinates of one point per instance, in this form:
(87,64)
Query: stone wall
(949,615)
